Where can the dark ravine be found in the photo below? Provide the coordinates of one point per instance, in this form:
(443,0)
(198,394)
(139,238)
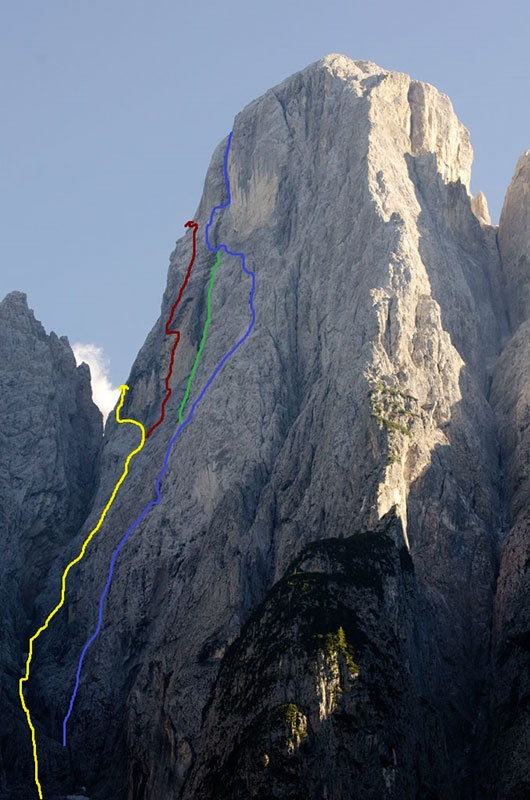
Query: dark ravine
(332,599)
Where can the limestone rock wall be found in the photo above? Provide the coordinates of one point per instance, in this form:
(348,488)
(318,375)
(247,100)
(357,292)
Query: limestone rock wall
(363,390)
(49,442)
(508,751)
(362,386)
(514,242)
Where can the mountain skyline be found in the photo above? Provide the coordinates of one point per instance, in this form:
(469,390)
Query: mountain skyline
(112,109)
(310,580)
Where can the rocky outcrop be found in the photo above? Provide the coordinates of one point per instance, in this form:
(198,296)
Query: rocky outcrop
(248,598)
(338,702)
(479,206)
(49,442)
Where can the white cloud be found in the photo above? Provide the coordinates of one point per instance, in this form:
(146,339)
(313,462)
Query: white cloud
(103,394)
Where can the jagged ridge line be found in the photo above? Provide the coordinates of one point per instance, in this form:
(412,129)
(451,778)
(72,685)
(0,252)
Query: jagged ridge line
(123,389)
(175,437)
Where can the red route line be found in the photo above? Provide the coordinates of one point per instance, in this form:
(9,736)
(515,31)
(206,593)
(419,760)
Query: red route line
(194,226)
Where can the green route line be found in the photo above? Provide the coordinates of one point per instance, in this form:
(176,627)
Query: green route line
(92,533)
(22,681)
(203,340)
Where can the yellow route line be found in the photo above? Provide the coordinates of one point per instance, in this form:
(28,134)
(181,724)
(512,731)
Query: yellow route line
(123,390)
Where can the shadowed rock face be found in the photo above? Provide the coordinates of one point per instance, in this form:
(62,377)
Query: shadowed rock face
(338,703)
(508,758)
(514,242)
(308,611)
(49,441)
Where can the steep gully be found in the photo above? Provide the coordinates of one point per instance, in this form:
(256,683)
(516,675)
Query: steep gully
(182,424)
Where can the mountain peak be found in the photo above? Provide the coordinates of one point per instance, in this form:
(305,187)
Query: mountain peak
(16,301)
(16,314)
(344,66)
(306,607)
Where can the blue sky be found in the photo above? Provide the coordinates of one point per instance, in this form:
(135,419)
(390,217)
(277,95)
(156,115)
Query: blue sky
(111,110)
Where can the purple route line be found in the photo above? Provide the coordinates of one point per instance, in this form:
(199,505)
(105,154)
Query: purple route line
(176,435)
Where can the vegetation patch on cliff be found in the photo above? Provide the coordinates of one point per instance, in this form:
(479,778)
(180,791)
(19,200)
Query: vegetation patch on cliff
(392,409)
(334,643)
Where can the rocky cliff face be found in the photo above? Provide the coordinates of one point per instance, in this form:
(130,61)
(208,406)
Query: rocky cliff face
(49,442)
(308,609)
(509,751)
(514,242)
(337,704)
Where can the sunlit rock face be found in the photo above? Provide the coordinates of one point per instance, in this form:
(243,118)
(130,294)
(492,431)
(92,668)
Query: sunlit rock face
(308,610)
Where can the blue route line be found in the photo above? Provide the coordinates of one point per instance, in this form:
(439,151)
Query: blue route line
(179,430)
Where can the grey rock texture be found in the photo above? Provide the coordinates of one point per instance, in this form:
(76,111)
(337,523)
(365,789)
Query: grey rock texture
(514,242)
(49,443)
(509,736)
(345,462)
